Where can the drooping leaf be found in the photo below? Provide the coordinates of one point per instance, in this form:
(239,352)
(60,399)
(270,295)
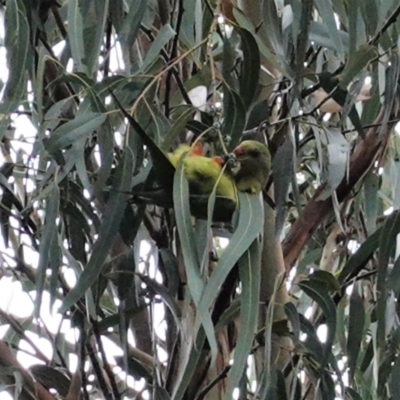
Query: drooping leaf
(112,217)
(326,12)
(250,71)
(360,257)
(387,243)
(164,36)
(72,131)
(318,293)
(391,82)
(16,42)
(250,276)
(357,63)
(235,117)
(130,27)
(49,231)
(164,170)
(189,250)
(75,35)
(94,20)
(395,379)
(320,35)
(249,227)
(356,328)
(283,171)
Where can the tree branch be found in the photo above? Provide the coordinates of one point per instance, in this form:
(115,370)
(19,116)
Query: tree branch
(365,153)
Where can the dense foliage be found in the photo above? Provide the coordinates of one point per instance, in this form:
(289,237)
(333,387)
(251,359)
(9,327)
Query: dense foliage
(294,297)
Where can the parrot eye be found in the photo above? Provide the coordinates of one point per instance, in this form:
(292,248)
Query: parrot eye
(254,153)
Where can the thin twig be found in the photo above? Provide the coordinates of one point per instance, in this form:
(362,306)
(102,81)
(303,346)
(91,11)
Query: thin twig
(218,378)
(174,52)
(98,371)
(392,19)
(161,73)
(106,365)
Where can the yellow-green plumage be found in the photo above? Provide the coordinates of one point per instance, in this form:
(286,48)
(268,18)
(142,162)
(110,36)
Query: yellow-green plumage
(255,166)
(203,172)
(195,150)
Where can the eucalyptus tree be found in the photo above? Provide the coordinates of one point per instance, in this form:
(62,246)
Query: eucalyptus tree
(168,295)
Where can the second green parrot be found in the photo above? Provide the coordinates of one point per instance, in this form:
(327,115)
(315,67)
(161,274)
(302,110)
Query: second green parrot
(255,166)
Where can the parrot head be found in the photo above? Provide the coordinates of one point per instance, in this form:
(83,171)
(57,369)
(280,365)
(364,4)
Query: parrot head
(254,166)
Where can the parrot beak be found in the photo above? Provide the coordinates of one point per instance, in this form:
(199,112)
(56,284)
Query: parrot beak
(238,151)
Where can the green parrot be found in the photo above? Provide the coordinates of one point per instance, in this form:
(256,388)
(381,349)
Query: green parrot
(255,166)
(203,172)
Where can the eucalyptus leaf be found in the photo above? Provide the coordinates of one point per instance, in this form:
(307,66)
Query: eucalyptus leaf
(112,218)
(72,131)
(250,275)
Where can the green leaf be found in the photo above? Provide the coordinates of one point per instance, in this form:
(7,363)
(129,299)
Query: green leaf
(250,277)
(38,83)
(228,63)
(293,317)
(360,257)
(394,382)
(391,86)
(189,251)
(112,217)
(370,189)
(249,227)
(94,23)
(164,170)
(272,24)
(387,243)
(250,71)
(369,12)
(353,14)
(177,127)
(235,117)
(326,12)
(320,35)
(312,343)
(164,36)
(229,315)
(327,278)
(51,378)
(356,329)
(318,293)
(131,26)
(49,231)
(326,388)
(301,31)
(72,131)
(283,172)
(394,279)
(351,394)
(16,41)
(76,34)
(357,63)
(186,234)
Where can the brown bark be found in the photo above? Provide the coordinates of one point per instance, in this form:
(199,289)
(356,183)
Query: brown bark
(30,389)
(365,153)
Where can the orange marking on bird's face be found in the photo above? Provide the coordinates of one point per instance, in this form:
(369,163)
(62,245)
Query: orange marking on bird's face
(218,160)
(197,149)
